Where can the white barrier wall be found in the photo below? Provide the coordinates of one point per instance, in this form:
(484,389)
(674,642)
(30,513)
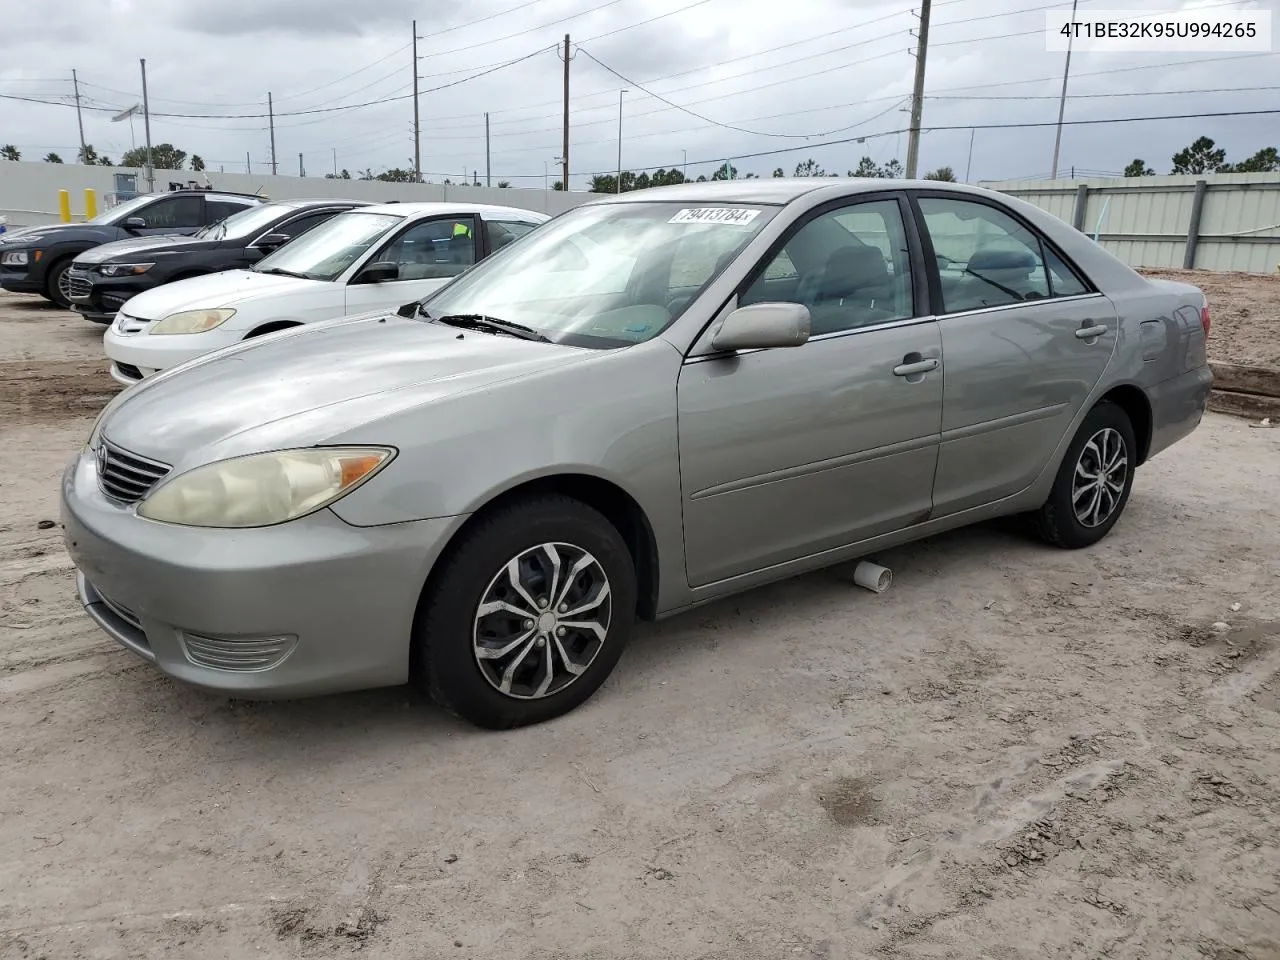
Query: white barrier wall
(29,190)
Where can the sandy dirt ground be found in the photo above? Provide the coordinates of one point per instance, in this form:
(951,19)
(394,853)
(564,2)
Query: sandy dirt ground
(1015,752)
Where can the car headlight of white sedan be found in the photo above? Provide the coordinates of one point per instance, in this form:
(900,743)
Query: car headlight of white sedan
(192,321)
(263,489)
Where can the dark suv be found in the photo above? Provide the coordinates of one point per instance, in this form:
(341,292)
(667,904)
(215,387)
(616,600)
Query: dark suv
(101,280)
(36,259)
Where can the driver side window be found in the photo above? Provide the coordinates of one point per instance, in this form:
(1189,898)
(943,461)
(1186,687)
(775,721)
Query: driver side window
(436,248)
(986,258)
(174,212)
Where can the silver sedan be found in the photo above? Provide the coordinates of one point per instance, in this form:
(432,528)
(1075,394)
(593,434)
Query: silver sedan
(652,401)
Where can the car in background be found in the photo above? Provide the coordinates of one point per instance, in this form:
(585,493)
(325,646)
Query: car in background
(36,259)
(485,495)
(103,279)
(373,258)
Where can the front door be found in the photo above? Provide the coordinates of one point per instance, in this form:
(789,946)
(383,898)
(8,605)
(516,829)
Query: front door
(788,452)
(1026,340)
(429,254)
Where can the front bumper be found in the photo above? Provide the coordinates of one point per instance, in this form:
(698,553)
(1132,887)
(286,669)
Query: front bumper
(136,354)
(99,298)
(308,607)
(20,280)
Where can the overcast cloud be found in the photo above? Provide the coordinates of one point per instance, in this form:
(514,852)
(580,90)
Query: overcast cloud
(845,72)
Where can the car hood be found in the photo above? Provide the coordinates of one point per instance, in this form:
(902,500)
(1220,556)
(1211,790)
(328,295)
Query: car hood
(307,385)
(224,289)
(121,250)
(23,234)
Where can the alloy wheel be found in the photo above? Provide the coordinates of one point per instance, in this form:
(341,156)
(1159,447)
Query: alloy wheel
(542,620)
(1101,473)
(64,285)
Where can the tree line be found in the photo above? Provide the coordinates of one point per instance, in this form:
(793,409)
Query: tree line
(867,168)
(164,156)
(1203,156)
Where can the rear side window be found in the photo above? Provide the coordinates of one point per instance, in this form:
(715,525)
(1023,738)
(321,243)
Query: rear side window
(184,211)
(216,210)
(503,232)
(1062,279)
(986,258)
(300,225)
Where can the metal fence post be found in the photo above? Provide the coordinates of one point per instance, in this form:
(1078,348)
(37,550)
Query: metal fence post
(1082,201)
(1193,228)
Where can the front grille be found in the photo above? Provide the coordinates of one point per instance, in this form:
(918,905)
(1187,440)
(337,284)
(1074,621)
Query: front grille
(78,285)
(126,476)
(238,655)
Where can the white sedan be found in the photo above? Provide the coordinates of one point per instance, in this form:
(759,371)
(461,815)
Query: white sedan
(370,259)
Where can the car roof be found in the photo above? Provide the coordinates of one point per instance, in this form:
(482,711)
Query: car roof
(417,209)
(775,190)
(299,202)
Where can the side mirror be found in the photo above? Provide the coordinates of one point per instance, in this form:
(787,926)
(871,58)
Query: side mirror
(135,223)
(379,272)
(273,241)
(763,325)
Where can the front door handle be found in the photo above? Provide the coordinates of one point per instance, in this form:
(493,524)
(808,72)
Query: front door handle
(915,367)
(1089,333)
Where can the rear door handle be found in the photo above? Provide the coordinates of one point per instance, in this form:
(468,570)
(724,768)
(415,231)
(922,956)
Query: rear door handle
(1089,333)
(912,369)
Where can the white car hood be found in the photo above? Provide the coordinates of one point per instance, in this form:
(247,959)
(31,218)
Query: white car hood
(226,289)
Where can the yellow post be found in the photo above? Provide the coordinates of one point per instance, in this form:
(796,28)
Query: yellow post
(64,205)
(90,203)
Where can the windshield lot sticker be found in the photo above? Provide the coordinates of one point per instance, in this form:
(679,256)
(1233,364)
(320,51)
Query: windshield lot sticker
(715,215)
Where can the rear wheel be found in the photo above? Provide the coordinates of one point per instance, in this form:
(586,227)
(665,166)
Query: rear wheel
(529,616)
(57,284)
(1093,482)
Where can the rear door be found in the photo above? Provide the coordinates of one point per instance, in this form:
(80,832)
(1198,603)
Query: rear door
(1025,336)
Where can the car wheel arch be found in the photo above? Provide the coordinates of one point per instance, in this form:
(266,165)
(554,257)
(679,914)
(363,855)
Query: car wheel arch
(1133,401)
(610,499)
(271,326)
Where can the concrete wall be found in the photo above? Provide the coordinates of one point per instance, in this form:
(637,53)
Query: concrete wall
(29,190)
(1145,221)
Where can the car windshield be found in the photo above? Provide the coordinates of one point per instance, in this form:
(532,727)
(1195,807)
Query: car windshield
(123,210)
(604,276)
(244,223)
(324,252)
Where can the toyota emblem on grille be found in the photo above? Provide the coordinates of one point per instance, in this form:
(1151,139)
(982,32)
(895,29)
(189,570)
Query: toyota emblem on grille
(102,457)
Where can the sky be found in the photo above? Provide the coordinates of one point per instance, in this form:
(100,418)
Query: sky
(766,84)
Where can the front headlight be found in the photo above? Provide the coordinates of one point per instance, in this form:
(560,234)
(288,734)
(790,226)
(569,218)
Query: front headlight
(14,258)
(124,269)
(192,321)
(263,489)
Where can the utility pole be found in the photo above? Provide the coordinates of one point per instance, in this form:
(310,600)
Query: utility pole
(917,93)
(301,171)
(417,130)
(565,155)
(969,166)
(146,116)
(335,162)
(271,123)
(488,170)
(248,166)
(75,82)
(620,93)
(1062,101)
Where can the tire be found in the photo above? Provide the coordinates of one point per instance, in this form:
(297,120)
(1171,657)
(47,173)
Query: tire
(1079,515)
(464,657)
(52,289)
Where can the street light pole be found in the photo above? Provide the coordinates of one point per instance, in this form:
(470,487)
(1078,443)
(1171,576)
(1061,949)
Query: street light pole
(620,93)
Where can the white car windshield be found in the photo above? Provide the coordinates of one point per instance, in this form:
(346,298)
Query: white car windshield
(244,223)
(604,276)
(325,252)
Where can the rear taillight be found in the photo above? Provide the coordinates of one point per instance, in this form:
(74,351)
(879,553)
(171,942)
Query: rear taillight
(1204,319)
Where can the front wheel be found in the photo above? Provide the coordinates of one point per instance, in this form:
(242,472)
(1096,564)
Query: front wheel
(57,287)
(1093,482)
(529,616)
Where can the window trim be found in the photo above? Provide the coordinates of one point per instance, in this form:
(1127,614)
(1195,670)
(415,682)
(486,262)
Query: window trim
(921,301)
(935,276)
